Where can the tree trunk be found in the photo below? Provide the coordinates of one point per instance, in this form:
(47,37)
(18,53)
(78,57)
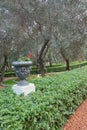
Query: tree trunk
(67,64)
(41,66)
(65,59)
(41,57)
(50,61)
(3,69)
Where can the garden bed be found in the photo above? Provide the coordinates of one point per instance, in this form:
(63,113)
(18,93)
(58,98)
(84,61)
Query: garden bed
(55,99)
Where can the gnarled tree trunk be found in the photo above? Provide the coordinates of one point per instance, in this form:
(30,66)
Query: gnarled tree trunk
(41,57)
(3,69)
(67,64)
(65,59)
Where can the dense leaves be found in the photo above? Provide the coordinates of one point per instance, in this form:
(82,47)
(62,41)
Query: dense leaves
(56,98)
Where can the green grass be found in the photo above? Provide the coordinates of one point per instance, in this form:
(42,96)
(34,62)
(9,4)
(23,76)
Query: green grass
(55,99)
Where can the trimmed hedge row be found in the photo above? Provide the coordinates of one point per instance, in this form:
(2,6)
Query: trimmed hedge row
(48,108)
(54,68)
(63,67)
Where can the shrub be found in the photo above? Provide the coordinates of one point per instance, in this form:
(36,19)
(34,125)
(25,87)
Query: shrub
(48,108)
(48,69)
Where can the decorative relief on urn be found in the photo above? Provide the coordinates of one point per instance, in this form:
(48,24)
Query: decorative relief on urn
(22,69)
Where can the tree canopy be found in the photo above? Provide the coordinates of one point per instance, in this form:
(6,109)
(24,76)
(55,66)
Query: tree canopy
(38,26)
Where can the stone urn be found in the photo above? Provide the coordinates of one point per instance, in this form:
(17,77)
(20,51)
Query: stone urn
(22,70)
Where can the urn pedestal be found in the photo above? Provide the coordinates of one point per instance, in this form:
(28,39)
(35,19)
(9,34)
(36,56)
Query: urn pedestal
(22,70)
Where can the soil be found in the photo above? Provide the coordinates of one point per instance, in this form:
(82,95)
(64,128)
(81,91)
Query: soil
(5,79)
(1,87)
(78,121)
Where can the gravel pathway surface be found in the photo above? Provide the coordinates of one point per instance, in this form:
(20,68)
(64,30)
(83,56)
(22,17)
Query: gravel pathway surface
(78,121)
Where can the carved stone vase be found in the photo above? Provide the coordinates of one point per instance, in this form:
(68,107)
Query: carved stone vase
(22,70)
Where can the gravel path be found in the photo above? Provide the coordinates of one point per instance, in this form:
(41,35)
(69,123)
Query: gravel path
(78,121)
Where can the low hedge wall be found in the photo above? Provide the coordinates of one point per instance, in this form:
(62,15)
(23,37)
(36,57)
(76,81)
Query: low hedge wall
(63,67)
(48,108)
(54,68)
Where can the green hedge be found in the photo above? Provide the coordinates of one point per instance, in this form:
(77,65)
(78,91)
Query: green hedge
(54,101)
(73,65)
(59,67)
(54,68)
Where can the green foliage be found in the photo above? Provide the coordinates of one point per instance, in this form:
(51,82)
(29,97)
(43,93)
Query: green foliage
(54,68)
(21,59)
(62,67)
(9,74)
(48,108)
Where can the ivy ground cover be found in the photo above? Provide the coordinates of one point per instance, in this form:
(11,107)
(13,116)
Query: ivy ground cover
(55,99)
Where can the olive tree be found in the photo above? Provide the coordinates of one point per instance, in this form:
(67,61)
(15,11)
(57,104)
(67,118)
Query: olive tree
(43,21)
(70,31)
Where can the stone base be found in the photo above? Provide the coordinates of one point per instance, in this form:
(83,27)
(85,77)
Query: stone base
(23,89)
